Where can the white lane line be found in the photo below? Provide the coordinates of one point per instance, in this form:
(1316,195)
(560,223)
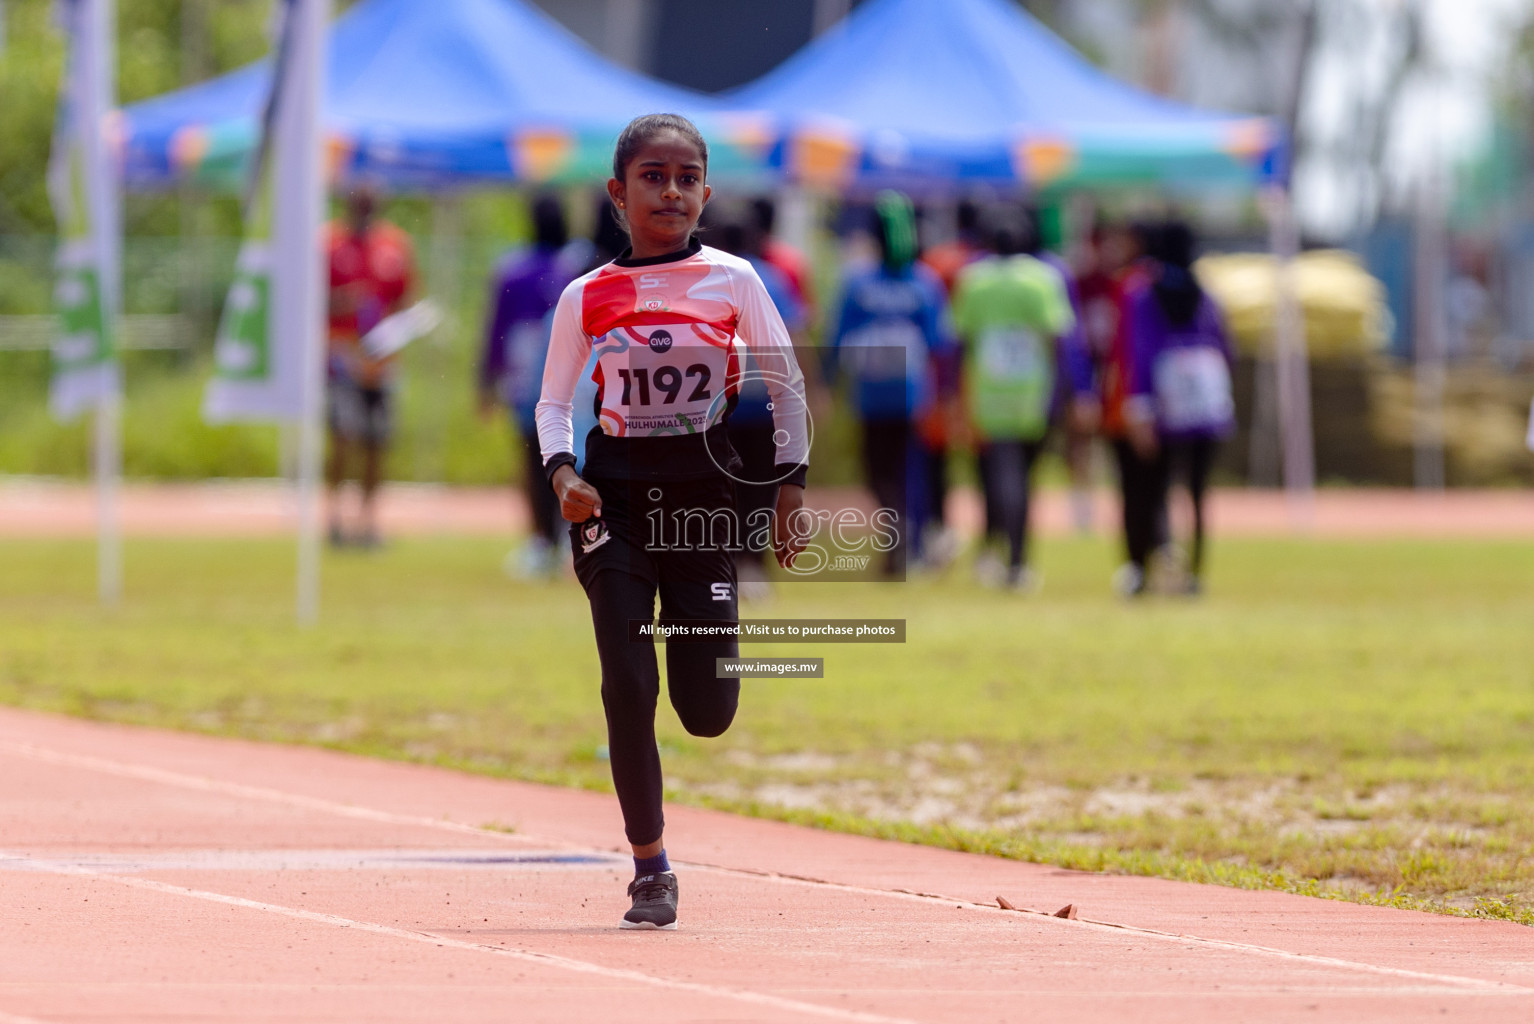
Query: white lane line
(207,785)
(287,859)
(1455,980)
(526,955)
(12,1018)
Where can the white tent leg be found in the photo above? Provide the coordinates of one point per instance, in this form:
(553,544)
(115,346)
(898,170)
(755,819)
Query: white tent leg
(107,459)
(1263,457)
(301,186)
(429,367)
(1292,363)
(311,441)
(828,13)
(796,217)
(1428,348)
(107,225)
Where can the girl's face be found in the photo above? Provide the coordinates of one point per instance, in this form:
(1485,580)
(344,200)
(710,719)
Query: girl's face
(662,194)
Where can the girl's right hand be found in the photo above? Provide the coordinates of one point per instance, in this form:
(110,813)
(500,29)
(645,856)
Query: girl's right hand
(578,500)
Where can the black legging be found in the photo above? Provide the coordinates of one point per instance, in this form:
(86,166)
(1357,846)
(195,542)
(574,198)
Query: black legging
(1189,460)
(631,687)
(1142,485)
(1006,470)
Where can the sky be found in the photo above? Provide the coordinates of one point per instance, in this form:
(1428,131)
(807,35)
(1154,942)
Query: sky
(1448,118)
(1442,120)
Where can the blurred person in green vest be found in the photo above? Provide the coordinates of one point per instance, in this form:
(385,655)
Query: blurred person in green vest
(1012,313)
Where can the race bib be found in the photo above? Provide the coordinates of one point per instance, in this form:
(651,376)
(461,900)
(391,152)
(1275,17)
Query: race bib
(1012,383)
(1193,389)
(1010,355)
(664,380)
(526,348)
(885,350)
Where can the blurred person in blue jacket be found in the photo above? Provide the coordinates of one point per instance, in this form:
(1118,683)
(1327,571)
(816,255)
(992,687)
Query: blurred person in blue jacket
(890,331)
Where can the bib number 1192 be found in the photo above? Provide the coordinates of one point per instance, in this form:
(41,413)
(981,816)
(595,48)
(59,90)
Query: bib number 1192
(667,380)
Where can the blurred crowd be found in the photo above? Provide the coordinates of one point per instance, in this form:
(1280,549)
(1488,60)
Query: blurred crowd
(986,346)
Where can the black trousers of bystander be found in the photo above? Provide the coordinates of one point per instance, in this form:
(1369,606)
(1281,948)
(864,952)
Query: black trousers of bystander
(1189,461)
(1142,487)
(1006,473)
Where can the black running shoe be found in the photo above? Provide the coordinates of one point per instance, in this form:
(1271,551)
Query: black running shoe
(654,902)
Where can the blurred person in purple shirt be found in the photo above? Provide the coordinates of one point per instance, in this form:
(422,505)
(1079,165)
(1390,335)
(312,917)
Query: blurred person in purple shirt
(526,287)
(1180,405)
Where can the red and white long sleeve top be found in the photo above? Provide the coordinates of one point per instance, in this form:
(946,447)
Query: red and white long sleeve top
(669,334)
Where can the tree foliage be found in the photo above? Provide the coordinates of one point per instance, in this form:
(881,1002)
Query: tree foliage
(162,45)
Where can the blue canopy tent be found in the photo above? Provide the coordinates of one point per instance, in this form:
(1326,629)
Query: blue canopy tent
(429,94)
(914,93)
(935,94)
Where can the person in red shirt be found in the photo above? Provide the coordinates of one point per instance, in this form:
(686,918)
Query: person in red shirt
(1118,274)
(372,273)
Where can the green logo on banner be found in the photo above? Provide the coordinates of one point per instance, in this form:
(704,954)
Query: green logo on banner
(84,341)
(243,351)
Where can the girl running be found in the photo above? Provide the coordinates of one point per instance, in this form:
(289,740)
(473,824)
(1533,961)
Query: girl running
(667,322)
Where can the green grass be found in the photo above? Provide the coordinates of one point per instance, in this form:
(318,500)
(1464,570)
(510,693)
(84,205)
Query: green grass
(1343,719)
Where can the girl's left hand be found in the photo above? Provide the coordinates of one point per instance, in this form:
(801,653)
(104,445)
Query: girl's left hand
(786,542)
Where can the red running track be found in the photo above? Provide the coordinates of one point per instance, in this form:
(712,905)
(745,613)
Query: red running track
(50,508)
(156,876)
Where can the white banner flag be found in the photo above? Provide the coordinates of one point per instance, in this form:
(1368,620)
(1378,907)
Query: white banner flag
(272,316)
(83,187)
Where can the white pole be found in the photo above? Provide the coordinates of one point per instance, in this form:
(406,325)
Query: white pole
(444,281)
(1428,345)
(828,13)
(300,191)
(1263,444)
(107,462)
(103,200)
(796,218)
(628,25)
(1291,364)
